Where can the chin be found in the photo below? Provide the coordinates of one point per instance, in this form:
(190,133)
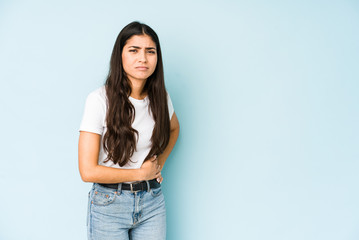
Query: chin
(143,77)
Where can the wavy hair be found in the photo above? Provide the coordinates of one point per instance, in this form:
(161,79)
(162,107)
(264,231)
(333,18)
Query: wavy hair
(120,139)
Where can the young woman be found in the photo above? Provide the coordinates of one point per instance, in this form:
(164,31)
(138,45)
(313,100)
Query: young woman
(127,132)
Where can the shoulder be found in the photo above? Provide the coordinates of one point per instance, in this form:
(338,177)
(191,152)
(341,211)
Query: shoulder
(98,95)
(168,96)
(94,115)
(170,105)
(99,92)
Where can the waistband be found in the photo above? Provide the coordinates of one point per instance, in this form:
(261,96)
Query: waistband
(134,187)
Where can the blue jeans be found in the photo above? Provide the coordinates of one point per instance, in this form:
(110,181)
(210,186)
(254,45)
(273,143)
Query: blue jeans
(121,214)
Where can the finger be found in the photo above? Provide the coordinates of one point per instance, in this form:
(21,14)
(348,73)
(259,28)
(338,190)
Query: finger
(154,158)
(160,179)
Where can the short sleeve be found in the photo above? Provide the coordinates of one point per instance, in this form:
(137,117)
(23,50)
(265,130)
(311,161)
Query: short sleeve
(94,114)
(170,106)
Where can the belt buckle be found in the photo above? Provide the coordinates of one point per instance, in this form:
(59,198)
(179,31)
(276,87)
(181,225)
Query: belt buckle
(147,183)
(148,186)
(131,186)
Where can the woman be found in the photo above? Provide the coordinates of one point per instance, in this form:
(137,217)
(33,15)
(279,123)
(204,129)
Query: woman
(127,132)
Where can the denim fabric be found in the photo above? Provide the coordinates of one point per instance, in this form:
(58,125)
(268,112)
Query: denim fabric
(121,214)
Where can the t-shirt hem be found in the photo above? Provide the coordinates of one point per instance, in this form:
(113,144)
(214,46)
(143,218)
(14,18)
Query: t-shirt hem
(91,130)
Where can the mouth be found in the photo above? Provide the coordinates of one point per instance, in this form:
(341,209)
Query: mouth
(142,68)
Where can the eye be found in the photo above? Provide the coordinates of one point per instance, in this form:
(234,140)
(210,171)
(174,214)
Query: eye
(152,52)
(133,50)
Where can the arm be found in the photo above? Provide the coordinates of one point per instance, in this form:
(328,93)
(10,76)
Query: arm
(174,132)
(90,171)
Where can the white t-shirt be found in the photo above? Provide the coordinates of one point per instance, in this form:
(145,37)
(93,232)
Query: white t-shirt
(94,120)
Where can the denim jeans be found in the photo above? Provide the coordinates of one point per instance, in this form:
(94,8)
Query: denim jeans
(122,214)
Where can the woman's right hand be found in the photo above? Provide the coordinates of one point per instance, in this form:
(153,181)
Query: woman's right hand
(151,169)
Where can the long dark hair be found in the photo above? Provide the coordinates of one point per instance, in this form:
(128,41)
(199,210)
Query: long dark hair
(120,139)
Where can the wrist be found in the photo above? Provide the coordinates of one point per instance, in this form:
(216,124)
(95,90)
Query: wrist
(140,174)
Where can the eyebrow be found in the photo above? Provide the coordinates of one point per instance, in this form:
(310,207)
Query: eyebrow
(137,47)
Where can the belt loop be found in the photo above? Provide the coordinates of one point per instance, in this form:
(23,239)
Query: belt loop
(131,186)
(119,188)
(148,186)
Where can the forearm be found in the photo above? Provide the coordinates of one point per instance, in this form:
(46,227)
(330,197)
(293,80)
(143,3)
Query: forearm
(103,174)
(172,141)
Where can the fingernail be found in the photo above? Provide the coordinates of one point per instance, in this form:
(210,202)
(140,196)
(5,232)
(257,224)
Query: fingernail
(158,180)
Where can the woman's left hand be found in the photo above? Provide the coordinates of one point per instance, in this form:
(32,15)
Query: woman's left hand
(160,178)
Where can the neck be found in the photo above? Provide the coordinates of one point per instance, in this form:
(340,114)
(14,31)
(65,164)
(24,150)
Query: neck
(137,89)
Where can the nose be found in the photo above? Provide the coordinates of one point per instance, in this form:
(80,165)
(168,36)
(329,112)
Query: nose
(142,56)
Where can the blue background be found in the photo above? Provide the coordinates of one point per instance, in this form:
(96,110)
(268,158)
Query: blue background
(266,93)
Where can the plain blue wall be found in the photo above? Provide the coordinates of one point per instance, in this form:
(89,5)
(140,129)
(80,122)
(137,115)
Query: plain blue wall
(267,96)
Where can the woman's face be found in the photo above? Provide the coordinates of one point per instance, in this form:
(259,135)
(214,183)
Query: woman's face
(139,57)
